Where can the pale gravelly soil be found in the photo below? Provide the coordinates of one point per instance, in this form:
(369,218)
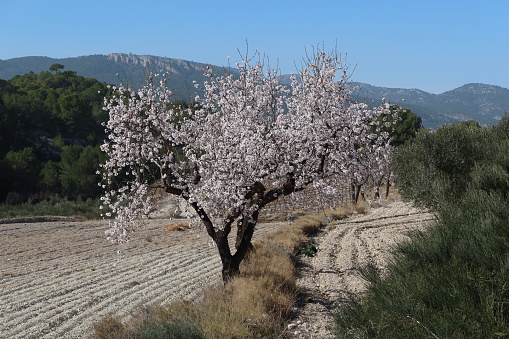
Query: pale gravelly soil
(332,276)
(57,278)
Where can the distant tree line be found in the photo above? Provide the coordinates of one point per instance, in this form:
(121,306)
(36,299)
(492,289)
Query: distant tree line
(50,128)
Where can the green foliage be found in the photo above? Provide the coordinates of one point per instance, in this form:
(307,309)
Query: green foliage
(54,205)
(22,161)
(308,249)
(50,177)
(78,171)
(440,164)
(50,125)
(406,128)
(62,103)
(56,67)
(449,281)
(18,172)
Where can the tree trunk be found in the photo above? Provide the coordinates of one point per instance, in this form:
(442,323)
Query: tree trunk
(231,268)
(357,191)
(246,227)
(231,263)
(378,196)
(352,191)
(387,188)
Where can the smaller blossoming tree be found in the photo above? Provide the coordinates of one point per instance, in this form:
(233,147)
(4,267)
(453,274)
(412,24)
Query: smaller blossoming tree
(251,141)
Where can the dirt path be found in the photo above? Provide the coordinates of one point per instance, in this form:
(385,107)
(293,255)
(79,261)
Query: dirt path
(58,278)
(332,276)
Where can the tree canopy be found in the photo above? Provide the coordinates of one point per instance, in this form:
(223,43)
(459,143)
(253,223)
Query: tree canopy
(56,67)
(441,164)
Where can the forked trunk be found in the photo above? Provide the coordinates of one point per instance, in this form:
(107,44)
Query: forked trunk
(231,263)
(245,229)
(231,268)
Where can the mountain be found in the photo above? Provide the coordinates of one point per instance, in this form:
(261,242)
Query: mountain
(115,68)
(483,103)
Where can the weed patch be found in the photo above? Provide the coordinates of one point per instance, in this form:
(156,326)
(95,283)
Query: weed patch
(308,249)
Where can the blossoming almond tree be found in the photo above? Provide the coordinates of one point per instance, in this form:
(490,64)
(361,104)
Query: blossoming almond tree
(251,141)
(370,166)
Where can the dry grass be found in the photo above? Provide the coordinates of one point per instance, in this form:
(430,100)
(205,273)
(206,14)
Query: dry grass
(217,318)
(110,328)
(179,226)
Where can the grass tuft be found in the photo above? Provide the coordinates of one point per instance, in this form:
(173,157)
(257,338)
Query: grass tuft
(110,328)
(176,227)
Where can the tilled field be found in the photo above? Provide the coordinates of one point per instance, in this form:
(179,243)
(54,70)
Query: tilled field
(58,278)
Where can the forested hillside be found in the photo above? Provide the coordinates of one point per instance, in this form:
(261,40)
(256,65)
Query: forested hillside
(50,128)
(119,67)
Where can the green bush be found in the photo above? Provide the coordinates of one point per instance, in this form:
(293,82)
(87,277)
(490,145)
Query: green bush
(439,165)
(308,249)
(450,281)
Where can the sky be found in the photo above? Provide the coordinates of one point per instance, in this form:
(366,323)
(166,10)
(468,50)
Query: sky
(434,45)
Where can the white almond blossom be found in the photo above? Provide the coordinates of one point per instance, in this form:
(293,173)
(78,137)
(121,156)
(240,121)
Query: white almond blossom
(250,141)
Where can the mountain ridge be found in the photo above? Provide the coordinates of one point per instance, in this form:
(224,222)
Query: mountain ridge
(473,101)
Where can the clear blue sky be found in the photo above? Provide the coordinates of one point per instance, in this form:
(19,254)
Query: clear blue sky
(434,45)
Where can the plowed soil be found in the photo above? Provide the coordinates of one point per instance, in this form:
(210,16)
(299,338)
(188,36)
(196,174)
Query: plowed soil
(58,278)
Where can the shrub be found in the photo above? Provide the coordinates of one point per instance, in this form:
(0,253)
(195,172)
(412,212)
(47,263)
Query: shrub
(451,280)
(54,206)
(445,159)
(110,328)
